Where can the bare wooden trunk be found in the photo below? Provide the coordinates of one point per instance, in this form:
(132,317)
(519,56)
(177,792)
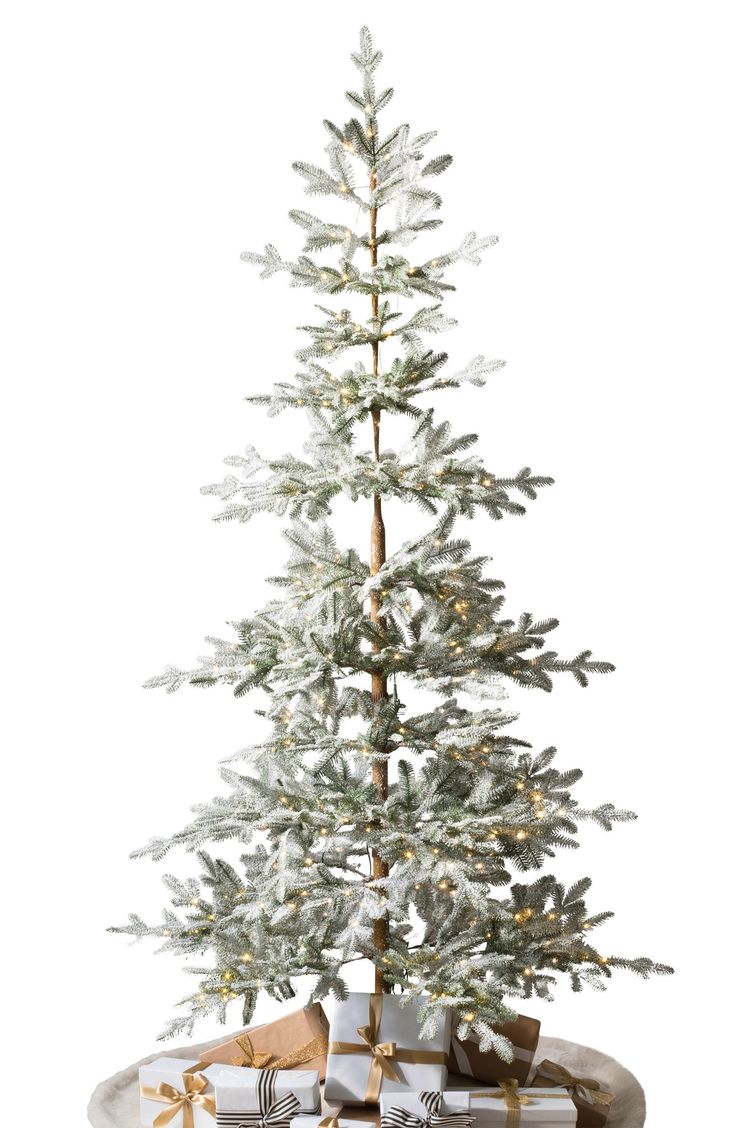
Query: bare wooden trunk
(379,684)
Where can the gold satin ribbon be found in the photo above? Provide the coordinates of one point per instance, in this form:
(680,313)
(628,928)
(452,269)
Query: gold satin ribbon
(382,1053)
(329,1122)
(557,1075)
(193,1095)
(514,1100)
(508,1093)
(264,1059)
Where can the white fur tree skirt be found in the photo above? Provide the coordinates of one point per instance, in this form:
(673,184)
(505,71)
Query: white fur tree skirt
(114,1103)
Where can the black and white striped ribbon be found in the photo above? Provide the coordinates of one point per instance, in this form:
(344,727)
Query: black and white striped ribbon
(398,1117)
(271,1112)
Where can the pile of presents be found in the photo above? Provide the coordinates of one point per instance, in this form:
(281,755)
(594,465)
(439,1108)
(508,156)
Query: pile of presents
(300,1072)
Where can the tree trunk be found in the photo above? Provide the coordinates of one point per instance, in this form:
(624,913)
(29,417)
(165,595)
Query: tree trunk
(379,684)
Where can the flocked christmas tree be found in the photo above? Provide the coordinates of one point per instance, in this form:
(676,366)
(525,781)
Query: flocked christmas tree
(370,832)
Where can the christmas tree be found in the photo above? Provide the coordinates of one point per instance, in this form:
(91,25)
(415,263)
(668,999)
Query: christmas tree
(371,831)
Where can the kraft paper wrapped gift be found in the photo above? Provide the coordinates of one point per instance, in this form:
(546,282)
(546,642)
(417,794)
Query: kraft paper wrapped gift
(296,1041)
(264,1098)
(426,1110)
(375,1047)
(592,1102)
(508,1106)
(466,1057)
(178,1092)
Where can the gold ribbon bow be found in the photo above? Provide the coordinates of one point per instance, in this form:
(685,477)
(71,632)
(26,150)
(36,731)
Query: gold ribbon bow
(253,1059)
(264,1059)
(193,1095)
(508,1093)
(383,1054)
(586,1088)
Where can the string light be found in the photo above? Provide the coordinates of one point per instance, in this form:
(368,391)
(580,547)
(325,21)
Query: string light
(246,957)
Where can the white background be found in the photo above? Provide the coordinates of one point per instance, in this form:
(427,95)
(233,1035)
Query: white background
(145,145)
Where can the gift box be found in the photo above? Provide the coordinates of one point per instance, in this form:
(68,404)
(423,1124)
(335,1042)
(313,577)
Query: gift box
(426,1110)
(468,1058)
(178,1092)
(330,1120)
(592,1102)
(508,1106)
(296,1041)
(264,1098)
(375,1047)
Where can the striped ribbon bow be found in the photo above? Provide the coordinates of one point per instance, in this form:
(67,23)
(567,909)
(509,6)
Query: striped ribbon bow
(398,1117)
(271,1112)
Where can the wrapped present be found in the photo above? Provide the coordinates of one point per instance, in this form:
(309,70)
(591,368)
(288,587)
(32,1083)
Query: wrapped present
(468,1058)
(592,1102)
(375,1046)
(296,1041)
(264,1098)
(328,1121)
(508,1106)
(364,1116)
(425,1110)
(178,1092)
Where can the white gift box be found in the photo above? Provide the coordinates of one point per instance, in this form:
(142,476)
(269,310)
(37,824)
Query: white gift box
(168,1082)
(302,1121)
(412,1102)
(360,1065)
(246,1095)
(545,1107)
